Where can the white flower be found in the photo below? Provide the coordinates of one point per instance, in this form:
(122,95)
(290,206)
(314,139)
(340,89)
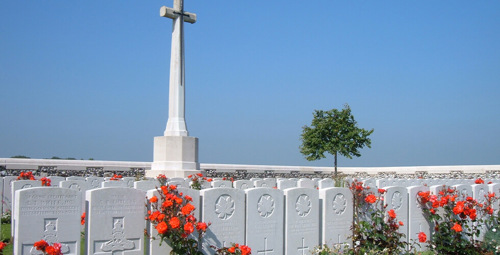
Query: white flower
(494,230)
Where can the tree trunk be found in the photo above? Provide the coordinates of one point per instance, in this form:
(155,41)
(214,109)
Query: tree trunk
(335,164)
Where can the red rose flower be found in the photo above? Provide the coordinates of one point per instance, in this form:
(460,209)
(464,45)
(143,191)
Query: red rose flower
(174,222)
(41,245)
(371,199)
(245,250)
(162,227)
(201,226)
(188,228)
(392,214)
(154,199)
(457,227)
(422,237)
(381,191)
(187,209)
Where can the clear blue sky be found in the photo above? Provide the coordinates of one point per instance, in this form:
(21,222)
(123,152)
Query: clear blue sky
(90,78)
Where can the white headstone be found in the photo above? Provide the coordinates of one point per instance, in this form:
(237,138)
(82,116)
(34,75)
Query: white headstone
(55,180)
(463,190)
(146,185)
(153,245)
(243,184)
(286,184)
(306,183)
(115,221)
(7,192)
(17,185)
(495,188)
(75,178)
(301,220)
(179,183)
(416,218)
(222,184)
(225,209)
(326,183)
(337,211)
(94,182)
(396,198)
(129,180)
(48,213)
(264,213)
(109,184)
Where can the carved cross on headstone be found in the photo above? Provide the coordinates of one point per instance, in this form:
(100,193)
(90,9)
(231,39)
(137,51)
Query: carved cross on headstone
(176,124)
(303,248)
(266,250)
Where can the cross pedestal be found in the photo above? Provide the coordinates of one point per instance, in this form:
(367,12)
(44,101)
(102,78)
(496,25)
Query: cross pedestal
(175,156)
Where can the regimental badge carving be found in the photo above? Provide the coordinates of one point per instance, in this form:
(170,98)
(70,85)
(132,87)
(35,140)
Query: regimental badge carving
(481,198)
(118,241)
(75,186)
(244,186)
(339,204)
(224,207)
(265,206)
(396,200)
(303,205)
(25,186)
(50,236)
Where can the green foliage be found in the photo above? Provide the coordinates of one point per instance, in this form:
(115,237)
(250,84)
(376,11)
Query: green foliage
(334,132)
(6,217)
(19,156)
(375,230)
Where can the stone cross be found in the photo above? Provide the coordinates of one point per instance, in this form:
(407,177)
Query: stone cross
(176,124)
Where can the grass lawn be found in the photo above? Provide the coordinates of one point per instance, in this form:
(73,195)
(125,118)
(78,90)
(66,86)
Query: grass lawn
(5,237)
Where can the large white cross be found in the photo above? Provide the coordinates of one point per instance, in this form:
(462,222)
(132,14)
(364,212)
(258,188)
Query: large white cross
(176,124)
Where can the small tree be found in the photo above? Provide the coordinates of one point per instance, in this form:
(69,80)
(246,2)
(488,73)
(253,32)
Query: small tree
(335,132)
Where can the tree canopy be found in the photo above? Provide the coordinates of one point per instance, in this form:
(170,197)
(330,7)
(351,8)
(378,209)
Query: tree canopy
(334,132)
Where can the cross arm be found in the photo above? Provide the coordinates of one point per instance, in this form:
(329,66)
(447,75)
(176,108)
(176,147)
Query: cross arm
(172,13)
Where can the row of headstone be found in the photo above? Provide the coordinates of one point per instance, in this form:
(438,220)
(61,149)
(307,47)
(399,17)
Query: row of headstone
(270,221)
(115,219)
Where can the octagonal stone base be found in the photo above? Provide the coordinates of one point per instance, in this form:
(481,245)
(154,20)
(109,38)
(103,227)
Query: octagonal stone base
(174,156)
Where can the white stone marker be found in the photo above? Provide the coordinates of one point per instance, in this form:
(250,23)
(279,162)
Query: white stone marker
(7,192)
(396,198)
(463,190)
(94,182)
(301,220)
(75,178)
(179,183)
(222,184)
(108,184)
(146,185)
(115,221)
(266,183)
(416,217)
(480,192)
(129,180)
(153,246)
(243,184)
(225,209)
(176,153)
(48,213)
(336,223)
(1,195)
(286,184)
(264,214)
(306,183)
(495,188)
(17,185)
(79,185)
(55,180)
(326,183)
